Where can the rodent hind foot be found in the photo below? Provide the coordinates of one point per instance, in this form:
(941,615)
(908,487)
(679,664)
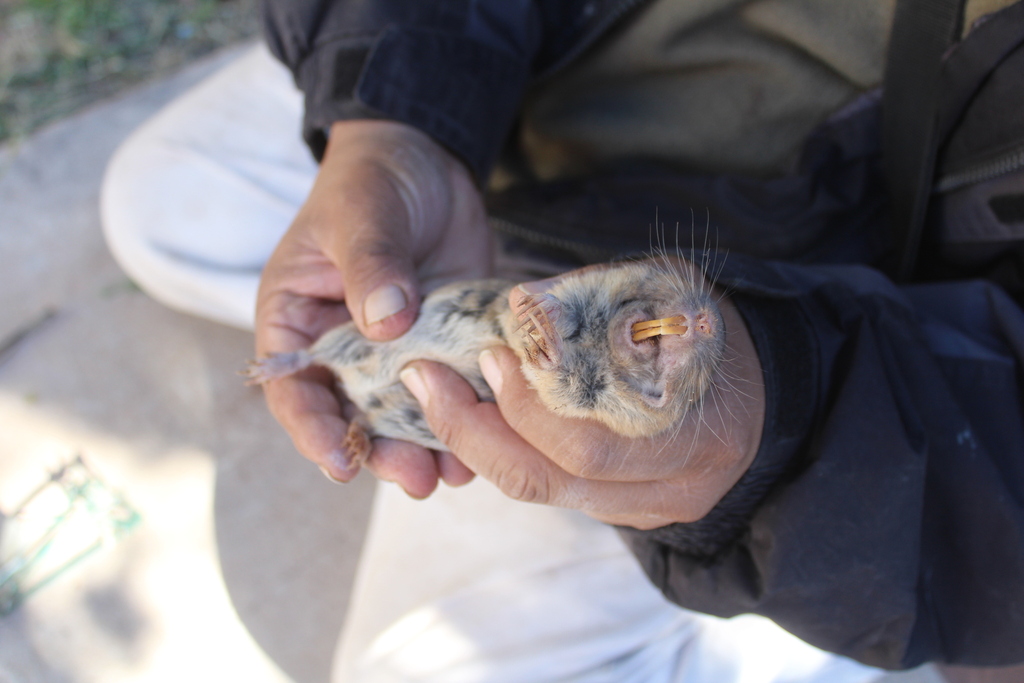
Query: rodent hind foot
(275,366)
(357,443)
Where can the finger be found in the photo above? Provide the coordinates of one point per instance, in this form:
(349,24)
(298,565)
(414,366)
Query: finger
(364,230)
(304,403)
(308,410)
(409,465)
(452,470)
(584,448)
(477,434)
(287,321)
(462,423)
(384,199)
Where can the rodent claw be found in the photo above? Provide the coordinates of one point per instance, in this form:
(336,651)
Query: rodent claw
(536,328)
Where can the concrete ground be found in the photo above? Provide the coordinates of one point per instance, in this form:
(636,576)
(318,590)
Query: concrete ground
(241,567)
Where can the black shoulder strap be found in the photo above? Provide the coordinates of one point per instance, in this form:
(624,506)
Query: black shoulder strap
(922,32)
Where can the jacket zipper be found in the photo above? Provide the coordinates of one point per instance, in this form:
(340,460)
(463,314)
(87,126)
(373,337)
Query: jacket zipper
(1007,163)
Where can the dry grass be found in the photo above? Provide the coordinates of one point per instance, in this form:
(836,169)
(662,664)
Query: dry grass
(59,55)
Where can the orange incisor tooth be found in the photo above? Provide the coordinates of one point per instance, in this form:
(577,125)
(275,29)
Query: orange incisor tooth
(654,328)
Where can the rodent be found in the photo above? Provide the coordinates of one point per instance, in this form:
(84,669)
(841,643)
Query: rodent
(576,344)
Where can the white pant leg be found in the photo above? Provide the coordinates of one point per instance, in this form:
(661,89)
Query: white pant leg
(471,587)
(195,200)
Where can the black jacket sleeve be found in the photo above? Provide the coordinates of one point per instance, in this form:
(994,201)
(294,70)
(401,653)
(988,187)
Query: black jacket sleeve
(456,70)
(883,517)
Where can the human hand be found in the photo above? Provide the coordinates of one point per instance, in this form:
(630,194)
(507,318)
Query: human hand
(533,454)
(391,212)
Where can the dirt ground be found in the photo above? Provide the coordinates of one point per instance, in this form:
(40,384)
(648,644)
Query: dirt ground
(56,56)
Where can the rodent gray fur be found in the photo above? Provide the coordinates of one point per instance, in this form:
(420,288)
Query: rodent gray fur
(574,342)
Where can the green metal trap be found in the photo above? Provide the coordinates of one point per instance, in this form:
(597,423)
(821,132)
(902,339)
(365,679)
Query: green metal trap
(64,520)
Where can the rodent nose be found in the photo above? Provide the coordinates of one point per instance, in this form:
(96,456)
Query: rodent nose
(702,323)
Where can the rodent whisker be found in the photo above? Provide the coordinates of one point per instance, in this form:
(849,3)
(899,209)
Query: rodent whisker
(718,394)
(718,409)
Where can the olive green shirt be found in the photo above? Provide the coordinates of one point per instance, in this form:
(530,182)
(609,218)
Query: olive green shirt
(710,85)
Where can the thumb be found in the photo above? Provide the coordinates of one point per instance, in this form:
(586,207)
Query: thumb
(364,229)
(381,290)
(476,433)
(380,187)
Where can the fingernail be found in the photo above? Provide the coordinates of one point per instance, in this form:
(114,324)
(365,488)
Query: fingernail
(383,302)
(327,473)
(340,460)
(413,381)
(490,370)
(537,286)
